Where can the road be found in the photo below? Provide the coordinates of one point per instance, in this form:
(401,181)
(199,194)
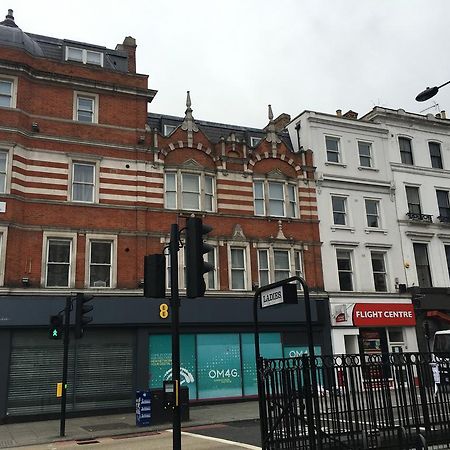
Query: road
(229,436)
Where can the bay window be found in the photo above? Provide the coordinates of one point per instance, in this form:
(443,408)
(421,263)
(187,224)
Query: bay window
(275,198)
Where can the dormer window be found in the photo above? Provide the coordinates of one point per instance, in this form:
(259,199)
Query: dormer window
(84,56)
(169,129)
(254,141)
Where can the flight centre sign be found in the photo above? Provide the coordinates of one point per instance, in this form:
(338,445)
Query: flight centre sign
(287,293)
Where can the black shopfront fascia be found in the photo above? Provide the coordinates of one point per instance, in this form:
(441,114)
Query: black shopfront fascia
(34,311)
(202,315)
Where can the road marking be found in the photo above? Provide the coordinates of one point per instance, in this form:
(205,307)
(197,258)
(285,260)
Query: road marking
(221,441)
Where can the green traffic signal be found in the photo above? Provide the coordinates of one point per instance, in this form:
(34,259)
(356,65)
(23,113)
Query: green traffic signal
(56,327)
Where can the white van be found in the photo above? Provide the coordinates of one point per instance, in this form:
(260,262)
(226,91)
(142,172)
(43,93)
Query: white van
(441,342)
(441,358)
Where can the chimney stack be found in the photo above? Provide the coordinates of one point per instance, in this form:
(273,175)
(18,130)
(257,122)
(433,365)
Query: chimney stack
(129,46)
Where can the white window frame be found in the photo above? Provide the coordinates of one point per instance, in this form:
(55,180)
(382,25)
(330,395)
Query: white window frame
(345,212)
(13,93)
(84,55)
(8,171)
(254,141)
(3,242)
(85,95)
(287,186)
(112,239)
(203,194)
(369,157)
(430,143)
(168,129)
(95,190)
(338,152)
(59,236)
(246,269)
(410,152)
(385,273)
(351,271)
(294,253)
(378,215)
(182,268)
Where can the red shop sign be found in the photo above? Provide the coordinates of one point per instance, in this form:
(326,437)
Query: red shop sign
(383,314)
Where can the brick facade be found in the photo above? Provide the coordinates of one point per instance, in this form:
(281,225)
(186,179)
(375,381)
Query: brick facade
(130,159)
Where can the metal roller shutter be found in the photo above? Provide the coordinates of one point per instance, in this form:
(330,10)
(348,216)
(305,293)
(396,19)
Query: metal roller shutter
(100,375)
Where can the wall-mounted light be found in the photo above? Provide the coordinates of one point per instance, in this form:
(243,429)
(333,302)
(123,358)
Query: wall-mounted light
(26,281)
(35,127)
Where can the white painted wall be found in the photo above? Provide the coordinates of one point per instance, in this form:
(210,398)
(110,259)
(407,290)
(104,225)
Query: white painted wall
(421,130)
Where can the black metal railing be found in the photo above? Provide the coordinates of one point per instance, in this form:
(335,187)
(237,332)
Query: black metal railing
(384,401)
(419,217)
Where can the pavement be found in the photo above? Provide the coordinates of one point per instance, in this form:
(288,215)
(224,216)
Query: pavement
(93,427)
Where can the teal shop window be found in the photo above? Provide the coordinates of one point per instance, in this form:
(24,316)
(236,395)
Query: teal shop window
(160,361)
(270,347)
(219,365)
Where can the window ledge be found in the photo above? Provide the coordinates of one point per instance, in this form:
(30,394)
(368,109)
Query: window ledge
(330,163)
(372,169)
(374,230)
(342,227)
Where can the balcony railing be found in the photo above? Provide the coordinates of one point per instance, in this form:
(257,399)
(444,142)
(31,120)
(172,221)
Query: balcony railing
(418,217)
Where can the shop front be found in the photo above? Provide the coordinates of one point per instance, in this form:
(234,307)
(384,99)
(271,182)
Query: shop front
(127,347)
(219,365)
(373,328)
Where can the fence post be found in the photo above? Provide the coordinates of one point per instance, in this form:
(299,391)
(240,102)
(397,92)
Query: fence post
(308,400)
(421,442)
(423,396)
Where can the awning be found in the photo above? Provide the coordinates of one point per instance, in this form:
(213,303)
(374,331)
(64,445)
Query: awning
(439,315)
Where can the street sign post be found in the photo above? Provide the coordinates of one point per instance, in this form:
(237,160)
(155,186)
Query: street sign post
(278,293)
(286,293)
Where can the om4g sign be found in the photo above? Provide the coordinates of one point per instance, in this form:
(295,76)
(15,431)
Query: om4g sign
(287,293)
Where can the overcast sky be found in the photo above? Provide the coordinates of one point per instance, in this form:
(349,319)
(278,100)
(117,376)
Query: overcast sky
(237,56)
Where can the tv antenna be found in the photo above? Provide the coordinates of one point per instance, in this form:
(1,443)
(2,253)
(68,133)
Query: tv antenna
(435,105)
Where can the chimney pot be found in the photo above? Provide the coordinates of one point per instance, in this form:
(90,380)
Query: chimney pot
(443,115)
(339,112)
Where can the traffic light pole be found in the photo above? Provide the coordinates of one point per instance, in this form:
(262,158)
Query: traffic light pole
(62,425)
(175,312)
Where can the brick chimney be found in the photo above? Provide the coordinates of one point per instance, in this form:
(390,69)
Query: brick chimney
(129,46)
(281,121)
(350,115)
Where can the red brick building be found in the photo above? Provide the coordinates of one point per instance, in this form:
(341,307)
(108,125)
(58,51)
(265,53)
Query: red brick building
(90,183)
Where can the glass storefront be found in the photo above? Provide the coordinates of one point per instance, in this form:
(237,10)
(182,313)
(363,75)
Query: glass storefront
(215,365)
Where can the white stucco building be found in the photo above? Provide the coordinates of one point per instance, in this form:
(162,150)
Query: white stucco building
(419,156)
(362,255)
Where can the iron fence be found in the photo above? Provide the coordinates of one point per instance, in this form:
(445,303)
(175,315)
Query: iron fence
(384,401)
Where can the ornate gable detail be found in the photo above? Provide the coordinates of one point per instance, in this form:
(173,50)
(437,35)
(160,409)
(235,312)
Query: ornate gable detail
(191,164)
(276,173)
(238,233)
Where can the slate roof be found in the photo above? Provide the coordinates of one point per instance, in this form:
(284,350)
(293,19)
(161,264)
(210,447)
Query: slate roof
(213,130)
(53,48)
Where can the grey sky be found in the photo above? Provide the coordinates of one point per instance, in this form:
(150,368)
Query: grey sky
(237,56)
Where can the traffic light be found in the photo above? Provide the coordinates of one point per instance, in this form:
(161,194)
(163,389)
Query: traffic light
(81,320)
(56,327)
(196,267)
(154,276)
